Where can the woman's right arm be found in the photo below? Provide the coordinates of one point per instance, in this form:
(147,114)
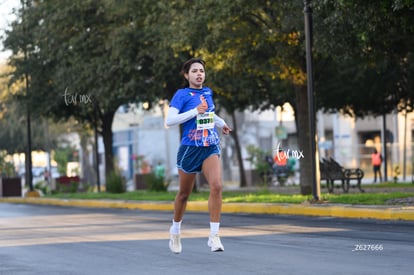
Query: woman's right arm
(174,118)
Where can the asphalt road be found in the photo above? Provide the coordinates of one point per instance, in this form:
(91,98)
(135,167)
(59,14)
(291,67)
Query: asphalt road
(45,239)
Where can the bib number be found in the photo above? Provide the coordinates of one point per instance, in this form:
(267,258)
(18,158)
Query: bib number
(205,121)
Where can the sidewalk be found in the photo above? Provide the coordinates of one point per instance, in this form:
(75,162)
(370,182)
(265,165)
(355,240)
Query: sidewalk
(384,212)
(307,209)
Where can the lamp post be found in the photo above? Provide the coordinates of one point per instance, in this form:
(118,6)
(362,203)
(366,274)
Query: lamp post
(28,158)
(311,108)
(96,137)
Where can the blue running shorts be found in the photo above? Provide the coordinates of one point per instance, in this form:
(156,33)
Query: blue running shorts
(190,158)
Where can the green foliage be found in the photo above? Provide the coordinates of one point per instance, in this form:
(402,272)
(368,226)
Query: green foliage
(13,136)
(155,183)
(43,186)
(364,51)
(6,168)
(365,198)
(115,52)
(257,157)
(71,187)
(263,196)
(62,156)
(115,183)
(97,53)
(133,195)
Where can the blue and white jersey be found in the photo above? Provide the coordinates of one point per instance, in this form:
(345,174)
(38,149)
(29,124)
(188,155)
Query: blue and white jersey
(200,130)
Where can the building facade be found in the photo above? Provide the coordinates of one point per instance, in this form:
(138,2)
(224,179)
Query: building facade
(348,140)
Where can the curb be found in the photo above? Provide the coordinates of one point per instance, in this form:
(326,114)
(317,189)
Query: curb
(327,210)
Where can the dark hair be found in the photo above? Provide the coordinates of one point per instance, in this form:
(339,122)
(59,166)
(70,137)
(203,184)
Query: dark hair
(187,65)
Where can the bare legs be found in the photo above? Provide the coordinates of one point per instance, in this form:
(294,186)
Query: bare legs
(212,171)
(186,186)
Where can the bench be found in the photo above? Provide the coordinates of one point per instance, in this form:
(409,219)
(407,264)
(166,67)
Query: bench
(331,171)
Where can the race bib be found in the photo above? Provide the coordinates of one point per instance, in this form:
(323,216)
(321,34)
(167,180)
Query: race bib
(205,121)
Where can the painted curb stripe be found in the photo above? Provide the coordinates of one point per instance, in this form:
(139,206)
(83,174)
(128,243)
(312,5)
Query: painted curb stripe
(342,211)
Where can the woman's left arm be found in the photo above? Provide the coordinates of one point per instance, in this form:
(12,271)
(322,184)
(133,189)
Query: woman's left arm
(219,122)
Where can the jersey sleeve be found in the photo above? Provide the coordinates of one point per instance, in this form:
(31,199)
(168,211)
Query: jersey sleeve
(174,118)
(177,100)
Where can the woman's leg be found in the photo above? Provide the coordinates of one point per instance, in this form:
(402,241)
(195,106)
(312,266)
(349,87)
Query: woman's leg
(180,203)
(212,173)
(186,186)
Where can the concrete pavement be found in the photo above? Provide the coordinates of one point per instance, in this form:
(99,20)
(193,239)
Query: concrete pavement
(307,209)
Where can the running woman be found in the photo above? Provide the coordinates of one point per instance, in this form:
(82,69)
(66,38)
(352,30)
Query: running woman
(193,107)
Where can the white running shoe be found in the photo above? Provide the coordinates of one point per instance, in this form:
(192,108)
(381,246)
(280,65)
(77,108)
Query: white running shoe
(215,243)
(175,243)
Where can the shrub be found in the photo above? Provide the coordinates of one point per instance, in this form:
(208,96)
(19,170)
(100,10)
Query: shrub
(71,187)
(258,159)
(6,168)
(115,183)
(42,186)
(155,183)
(66,184)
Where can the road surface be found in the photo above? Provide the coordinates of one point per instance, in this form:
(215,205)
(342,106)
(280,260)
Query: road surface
(40,239)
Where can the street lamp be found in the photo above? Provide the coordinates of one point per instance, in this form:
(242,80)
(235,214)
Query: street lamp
(311,108)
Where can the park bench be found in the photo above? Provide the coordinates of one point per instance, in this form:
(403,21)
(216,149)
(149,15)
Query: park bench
(332,171)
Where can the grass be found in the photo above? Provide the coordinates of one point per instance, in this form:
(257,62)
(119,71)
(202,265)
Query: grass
(260,196)
(389,185)
(251,197)
(365,198)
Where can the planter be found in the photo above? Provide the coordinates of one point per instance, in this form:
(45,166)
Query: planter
(10,187)
(140,182)
(32,194)
(66,184)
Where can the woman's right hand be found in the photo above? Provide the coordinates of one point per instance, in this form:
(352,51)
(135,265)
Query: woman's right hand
(202,108)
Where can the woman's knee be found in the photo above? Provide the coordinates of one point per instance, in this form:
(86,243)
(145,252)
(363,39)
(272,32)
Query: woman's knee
(182,196)
(215,187)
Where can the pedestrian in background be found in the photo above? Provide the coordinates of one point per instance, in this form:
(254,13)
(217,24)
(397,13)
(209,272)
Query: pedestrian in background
(376,159)
(193,107)
(159,170)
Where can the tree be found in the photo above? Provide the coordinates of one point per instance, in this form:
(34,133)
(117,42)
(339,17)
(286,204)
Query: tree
(254,51)
(365,51)
(265,64)
(85,60)
(107,51)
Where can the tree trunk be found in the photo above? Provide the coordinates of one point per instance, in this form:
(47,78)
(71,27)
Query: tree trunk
(302,117)
(107,120)
(89,175)
(234,134)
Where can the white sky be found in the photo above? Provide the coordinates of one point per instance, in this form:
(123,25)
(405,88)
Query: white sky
(6,17)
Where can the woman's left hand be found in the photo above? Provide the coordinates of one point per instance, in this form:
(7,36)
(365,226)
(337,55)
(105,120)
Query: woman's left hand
(226,130)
